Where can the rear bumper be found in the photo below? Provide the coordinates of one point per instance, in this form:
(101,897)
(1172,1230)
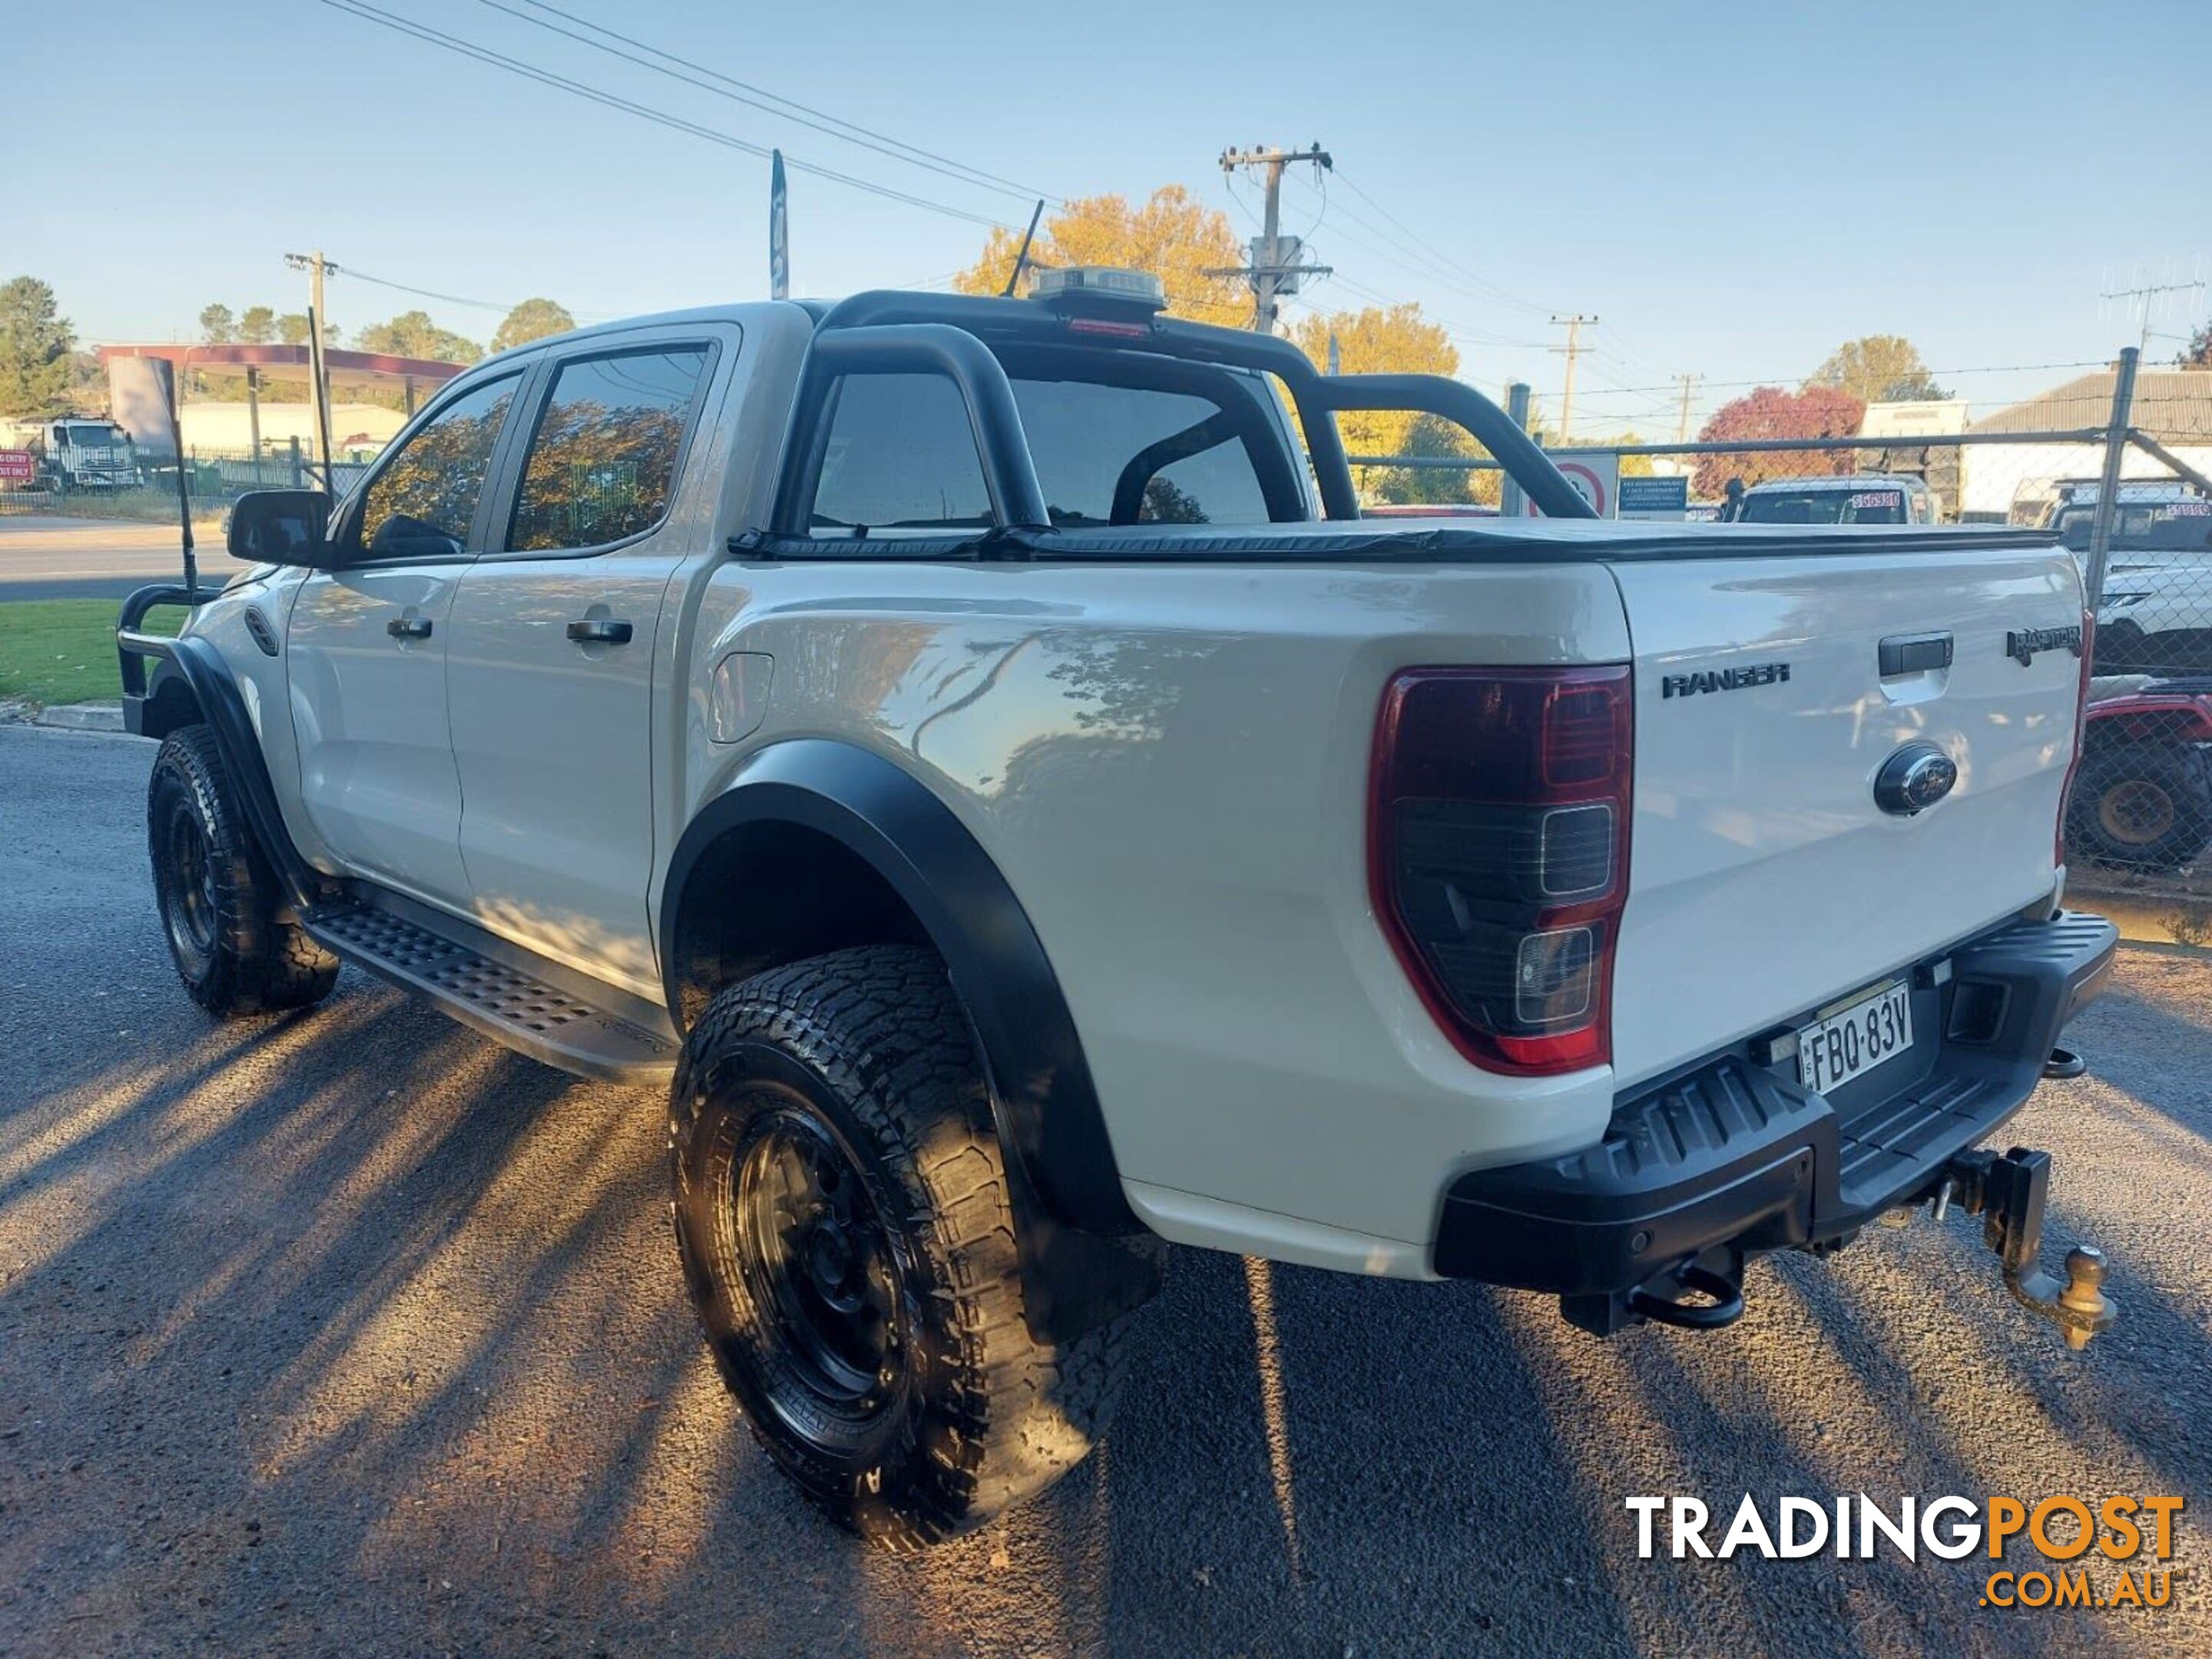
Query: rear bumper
(1733,1153)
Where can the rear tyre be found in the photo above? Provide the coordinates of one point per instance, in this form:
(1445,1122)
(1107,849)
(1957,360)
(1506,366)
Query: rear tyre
(2142,804)
(847,1240)
(217,897)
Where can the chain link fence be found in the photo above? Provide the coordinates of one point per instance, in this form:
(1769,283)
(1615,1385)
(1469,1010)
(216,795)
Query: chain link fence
(214,479)
(2116,462)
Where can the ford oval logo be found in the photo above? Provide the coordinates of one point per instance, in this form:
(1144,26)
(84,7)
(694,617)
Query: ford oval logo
(1914,779)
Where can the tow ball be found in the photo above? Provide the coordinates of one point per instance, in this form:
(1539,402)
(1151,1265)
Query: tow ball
(2007,1193)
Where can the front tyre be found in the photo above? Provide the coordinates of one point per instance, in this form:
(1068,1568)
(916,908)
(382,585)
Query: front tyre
(217,897)
(847,1240)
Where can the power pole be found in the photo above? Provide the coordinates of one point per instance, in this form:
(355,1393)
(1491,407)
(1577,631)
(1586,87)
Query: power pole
(317,371)
(1573,350)
(1682,427)
(1275,266)
(2146,295)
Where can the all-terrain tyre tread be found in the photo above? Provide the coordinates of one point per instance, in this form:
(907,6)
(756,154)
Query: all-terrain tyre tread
(883,1027)
(261,964)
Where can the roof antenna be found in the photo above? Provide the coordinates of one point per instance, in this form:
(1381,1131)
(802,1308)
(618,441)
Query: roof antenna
(1022,259)
(779,232)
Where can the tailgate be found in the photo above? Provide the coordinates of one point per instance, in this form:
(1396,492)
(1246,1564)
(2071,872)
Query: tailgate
(1764,878)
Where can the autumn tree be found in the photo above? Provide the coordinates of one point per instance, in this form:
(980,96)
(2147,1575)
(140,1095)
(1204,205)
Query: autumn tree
(1878,369)
(412,334)
(533,319)
(1818,411)
(1393,340)
(257,325)
(1173,235)
(35,343)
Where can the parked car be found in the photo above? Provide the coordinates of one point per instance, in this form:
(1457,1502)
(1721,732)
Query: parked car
(1863,498)
(2155,616)
(977,759)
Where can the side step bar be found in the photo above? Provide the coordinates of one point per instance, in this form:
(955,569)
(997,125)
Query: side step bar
(539,1008)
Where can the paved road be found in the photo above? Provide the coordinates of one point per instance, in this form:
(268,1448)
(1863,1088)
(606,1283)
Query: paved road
(48,558)
(350,1332)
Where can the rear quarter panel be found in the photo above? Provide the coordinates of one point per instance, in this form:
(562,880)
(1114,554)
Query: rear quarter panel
(1170,766)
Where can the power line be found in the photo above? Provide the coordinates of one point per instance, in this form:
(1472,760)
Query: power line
(1787,380)
(1423,271)
(337,269)
(514,66)
(1504,295)
(1459,333)
(760,98)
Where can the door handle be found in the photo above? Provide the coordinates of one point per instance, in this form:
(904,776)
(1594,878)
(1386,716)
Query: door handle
(597,631)
(409,628)
(1912,654)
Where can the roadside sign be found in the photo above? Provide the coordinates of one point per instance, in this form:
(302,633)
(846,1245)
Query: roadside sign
(1657,498)
(18,466)
(1595,476)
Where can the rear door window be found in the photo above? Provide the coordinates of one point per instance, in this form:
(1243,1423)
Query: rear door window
(601,465)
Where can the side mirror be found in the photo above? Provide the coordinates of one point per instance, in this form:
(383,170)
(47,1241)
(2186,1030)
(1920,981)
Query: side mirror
(280,526)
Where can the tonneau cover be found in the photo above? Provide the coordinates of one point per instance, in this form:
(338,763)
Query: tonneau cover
(1412,541)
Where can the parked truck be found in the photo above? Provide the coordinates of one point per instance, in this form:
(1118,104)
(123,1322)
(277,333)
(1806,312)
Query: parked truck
(977,755)
(75,452)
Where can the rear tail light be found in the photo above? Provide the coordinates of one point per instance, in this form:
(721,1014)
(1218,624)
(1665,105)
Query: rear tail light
(1497,854)
(2081,730)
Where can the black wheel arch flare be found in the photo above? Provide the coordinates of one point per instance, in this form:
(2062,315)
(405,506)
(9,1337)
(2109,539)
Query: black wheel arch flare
(1042,1088)
(1087,1257)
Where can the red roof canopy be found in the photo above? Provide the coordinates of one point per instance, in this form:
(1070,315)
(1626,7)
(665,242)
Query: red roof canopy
(289,363)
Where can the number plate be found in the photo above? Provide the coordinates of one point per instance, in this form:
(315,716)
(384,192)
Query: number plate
(1854,1040)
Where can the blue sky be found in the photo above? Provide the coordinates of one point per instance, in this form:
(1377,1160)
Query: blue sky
(1732,190)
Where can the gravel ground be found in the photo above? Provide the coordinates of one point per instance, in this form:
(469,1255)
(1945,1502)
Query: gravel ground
(351,1332)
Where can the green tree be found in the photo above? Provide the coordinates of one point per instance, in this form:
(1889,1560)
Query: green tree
(533,319)
(2198,354)
(412,334)
(1878,369)
(258,326)
(217,325)
(1176,237)
(35,343)
(292,329)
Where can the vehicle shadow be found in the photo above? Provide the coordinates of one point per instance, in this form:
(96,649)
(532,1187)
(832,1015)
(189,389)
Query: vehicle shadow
(351,1328)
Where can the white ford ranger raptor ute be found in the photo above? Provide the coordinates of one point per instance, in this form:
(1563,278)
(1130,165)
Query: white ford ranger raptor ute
(974,750)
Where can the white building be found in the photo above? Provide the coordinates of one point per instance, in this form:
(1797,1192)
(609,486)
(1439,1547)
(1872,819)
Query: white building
(211,427)
(2016,484)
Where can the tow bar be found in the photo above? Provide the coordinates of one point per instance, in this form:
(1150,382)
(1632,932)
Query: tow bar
(2007,1193)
